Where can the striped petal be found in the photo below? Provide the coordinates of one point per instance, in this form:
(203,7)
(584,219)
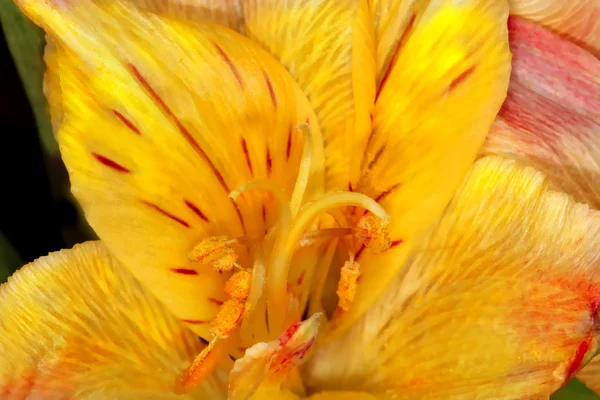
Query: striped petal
(578,20)
(162,120)
(551,117)
(328,47)
(75,324)
(224,12)
(438,96)
(500,300)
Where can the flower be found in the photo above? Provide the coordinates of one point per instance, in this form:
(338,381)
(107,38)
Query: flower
(308,192)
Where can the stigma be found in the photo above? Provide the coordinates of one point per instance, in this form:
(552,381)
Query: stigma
(258,301)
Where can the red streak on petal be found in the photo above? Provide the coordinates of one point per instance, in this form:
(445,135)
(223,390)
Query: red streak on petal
(229,63)
(287,335)
(215,301)
(166,213)
(376,157)
(127,122)
(395,243)
(195,321)
(269,162)
(386,193)
(405,33)
(184,271)
(271,91)
(461,78)
(359,252)
(300,278)
(288,150)
(247,155)
(110,163)
(182,129)
(196,210)
(578,358)
(239,214)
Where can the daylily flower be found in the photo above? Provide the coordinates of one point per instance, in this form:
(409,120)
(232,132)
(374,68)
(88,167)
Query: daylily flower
(307,191)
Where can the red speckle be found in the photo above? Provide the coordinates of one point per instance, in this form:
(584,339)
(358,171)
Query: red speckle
(395,243)
(264,214)
(239,214)
(461,78)
(269,162)
(350,188)
(247,155)
(300,278)
(195,321)
(182,129)
(110,163)
(386,193)
(127,122)
(166,214)
(288,150)
(376,157)
(196,210)
(184,271)
(215,301)
(287,335)
(229,63)
(394,58)
(271,92)
(359,252)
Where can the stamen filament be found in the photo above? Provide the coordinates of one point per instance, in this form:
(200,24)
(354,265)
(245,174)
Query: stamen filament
(311,237)
(283,250)
(257,285)
(303,170)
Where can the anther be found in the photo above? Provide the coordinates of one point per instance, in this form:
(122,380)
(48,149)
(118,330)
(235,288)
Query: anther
(202,366)
(217,251)
(373,233)
(228,318)
(238,286)
(347,284)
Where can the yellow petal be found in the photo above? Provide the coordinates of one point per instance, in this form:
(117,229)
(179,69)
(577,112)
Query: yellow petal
(578,20)
(499,301)
(328,47)
(162,119)
(551,116)
(75,324)
(434,107)
(224,12)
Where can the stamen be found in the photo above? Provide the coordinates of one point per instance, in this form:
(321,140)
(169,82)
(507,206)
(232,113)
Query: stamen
(202,366)
(373,234)
(347,284)
(238,285)
(227,318)
(254,306)
(285,246)
(303,169)
(215,250)
(311,238)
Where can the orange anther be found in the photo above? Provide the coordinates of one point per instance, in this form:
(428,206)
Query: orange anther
(228,317)
(215,250)
(347,284)
(238,286)
(372,233)
(202,366)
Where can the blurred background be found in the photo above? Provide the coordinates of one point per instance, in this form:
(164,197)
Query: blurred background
(38,214)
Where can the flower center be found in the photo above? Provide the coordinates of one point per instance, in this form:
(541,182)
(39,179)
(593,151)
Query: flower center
(257,294)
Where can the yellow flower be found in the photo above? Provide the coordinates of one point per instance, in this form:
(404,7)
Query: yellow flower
(295,211)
